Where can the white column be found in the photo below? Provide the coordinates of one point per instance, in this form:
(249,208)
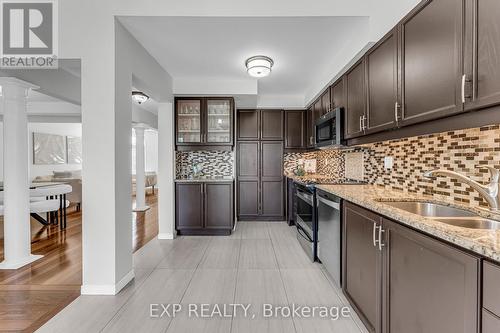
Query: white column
(17,230)
(140,165)
(166,160)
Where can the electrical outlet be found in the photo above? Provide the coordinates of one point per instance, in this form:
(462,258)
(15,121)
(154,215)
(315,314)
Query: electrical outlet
(388,162)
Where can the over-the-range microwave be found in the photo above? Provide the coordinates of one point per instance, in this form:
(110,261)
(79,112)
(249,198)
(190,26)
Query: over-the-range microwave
(329,129)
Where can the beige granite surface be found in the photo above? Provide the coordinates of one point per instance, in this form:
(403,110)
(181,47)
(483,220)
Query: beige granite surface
(372,197)
(204,179)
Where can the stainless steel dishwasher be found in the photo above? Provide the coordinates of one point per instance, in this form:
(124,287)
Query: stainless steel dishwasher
(329,233)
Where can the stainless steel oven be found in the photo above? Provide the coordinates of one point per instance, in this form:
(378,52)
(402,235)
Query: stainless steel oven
(329,129)
(305,218)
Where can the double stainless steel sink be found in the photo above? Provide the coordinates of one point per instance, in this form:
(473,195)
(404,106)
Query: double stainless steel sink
(446,214)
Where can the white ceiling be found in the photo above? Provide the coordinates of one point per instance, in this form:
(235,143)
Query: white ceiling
(304,48)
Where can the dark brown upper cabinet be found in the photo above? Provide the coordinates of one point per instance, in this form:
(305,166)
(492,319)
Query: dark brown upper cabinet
(310,127)
(482,53)
(337,94)
(318,109)
(204,121)
(248,125)
(260,125)
(326,102)
(272,124)
(382,84)
(295,129)
(432,61)
(355,100)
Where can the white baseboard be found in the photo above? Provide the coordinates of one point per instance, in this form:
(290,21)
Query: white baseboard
(15,264)
(166,236)
(107,289)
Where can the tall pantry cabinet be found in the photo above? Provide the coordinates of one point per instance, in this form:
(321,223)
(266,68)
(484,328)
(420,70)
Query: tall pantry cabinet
(259,165)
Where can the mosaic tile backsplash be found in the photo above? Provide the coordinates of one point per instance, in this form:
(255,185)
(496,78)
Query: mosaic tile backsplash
(459,151)
(211,163)
(328,162)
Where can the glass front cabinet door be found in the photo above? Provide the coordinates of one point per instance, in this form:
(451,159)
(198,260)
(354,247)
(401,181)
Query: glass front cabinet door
(204,121)
(189,121)
(219,121)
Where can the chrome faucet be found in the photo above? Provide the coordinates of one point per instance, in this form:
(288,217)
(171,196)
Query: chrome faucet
(490,192)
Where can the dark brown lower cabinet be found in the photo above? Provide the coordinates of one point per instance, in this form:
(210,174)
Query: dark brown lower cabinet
(362,265)
(204,208)
(429,285)
(248,198)
(490,322)
(261,200)
(402,281)
(189,206)
(272,202)
(290,201)
(491,298)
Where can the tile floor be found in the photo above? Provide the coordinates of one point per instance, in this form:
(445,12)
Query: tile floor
(260,263)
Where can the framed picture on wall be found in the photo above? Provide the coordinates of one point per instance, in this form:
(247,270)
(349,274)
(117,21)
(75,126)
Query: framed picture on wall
(74,149)
(49,149)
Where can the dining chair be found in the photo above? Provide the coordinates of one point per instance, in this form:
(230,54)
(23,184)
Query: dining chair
(44,206)
(55,192)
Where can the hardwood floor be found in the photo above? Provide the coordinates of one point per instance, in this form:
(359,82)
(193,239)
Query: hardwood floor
(33,294)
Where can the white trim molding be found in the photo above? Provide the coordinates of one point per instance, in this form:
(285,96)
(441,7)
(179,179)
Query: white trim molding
(20,263)
(108,289)
(166,236)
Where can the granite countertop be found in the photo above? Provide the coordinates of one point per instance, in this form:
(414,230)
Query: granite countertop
(311,176)
(204,179)
(481,241)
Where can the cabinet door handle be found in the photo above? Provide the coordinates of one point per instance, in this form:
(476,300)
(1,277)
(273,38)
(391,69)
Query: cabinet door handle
(464,80)
(375,234)
(396,115)
(380,243)
(360,123)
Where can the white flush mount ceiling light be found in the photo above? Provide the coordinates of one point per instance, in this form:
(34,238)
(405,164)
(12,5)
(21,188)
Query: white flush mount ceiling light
(259,66)
(139,97)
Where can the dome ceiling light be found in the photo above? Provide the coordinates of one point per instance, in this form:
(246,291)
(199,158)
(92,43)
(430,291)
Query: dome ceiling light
(259,66)
(139,97)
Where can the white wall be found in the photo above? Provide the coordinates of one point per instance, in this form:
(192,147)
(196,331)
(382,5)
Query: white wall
(49,128)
